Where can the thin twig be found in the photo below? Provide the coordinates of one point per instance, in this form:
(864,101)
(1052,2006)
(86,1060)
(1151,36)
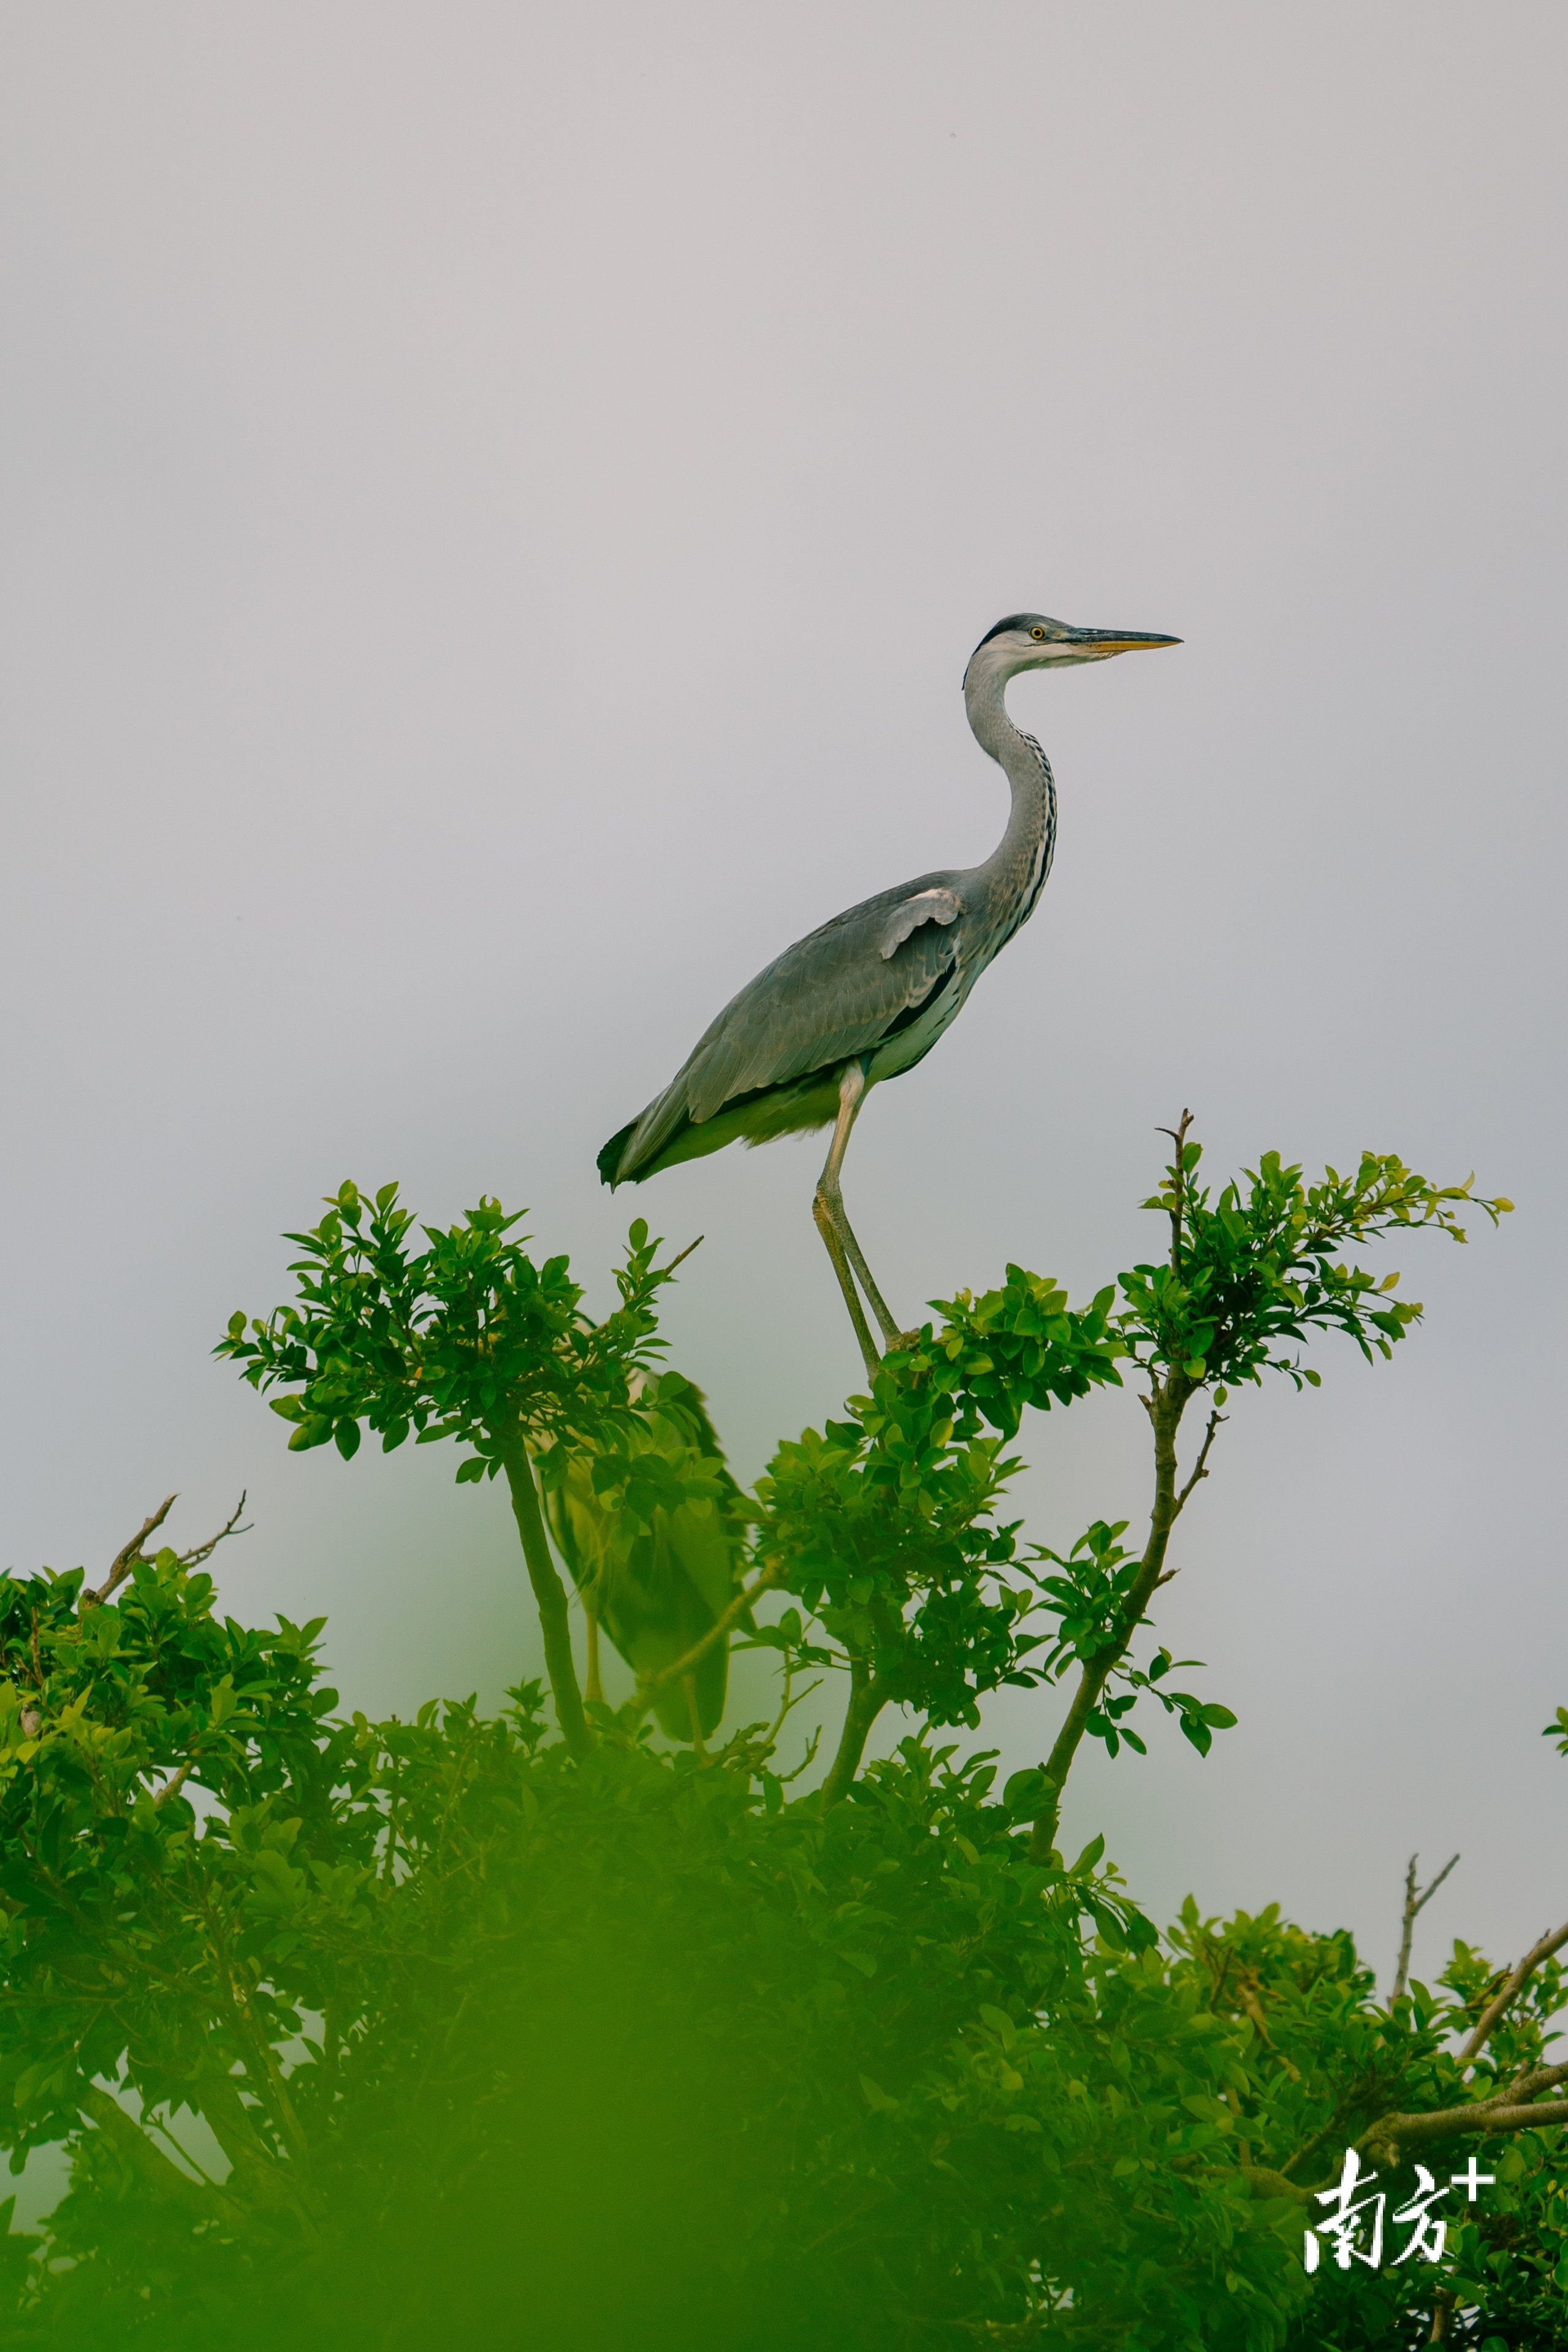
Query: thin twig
(198,1553)
(1329,2131)
(152,2123)
(1413,1904)
(812,1745)
(764,1748)
(1178,1136)
(1217,1423)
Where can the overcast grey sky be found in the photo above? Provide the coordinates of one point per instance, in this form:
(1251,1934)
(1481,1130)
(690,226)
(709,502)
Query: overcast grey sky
(498,501)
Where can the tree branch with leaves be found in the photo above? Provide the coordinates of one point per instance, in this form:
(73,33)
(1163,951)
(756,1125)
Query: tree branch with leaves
(467,1340)
(1248,1277)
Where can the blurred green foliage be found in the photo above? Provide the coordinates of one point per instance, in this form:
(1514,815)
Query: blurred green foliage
(359,2031)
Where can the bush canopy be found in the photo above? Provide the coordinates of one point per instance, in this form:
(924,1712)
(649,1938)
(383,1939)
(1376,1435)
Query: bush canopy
(589,2023)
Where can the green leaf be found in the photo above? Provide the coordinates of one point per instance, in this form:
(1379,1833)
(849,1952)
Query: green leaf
(1022,1791)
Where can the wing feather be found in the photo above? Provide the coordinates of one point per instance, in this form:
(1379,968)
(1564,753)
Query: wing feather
(925,906)
(838,993)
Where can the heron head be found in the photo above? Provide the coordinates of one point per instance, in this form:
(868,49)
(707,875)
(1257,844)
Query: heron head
(1034,641)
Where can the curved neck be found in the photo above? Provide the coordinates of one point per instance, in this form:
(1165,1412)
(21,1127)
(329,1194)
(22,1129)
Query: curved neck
(1022,763)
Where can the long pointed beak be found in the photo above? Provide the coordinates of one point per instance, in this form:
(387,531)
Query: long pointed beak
(1097,644)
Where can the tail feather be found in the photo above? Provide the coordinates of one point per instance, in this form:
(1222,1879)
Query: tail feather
(641,1146)
(609,1161)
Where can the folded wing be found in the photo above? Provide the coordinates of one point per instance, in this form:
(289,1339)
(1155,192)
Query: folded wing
(838,993)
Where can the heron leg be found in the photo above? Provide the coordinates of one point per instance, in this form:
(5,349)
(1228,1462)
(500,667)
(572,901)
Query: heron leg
(833,1224)
(857,1257)
(592,1688)
(688,1684)
(847,1285)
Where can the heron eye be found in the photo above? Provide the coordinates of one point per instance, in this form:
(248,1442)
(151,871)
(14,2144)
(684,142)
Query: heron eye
(1036,632)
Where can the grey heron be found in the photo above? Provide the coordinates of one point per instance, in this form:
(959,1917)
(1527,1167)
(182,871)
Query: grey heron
(866,997)
(656,1596)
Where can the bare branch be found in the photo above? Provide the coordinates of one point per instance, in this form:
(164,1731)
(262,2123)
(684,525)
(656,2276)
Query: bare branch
(1512,1985)
(1413,1904)
(126,1557)
(1504,2113)
(1407,1928)
(1513,2107)
(1525,2085)
(1264,2181)
(171,1788)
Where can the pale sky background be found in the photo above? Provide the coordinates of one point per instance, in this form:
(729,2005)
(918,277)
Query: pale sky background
(498,503)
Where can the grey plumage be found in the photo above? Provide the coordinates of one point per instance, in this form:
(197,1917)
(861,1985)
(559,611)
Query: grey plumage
(866,997)
(656,1593)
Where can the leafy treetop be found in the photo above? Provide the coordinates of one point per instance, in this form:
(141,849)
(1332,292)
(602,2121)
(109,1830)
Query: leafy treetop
(468,1338)
(1260,1267)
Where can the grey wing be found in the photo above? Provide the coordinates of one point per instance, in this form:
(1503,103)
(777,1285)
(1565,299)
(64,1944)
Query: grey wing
(838,993)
